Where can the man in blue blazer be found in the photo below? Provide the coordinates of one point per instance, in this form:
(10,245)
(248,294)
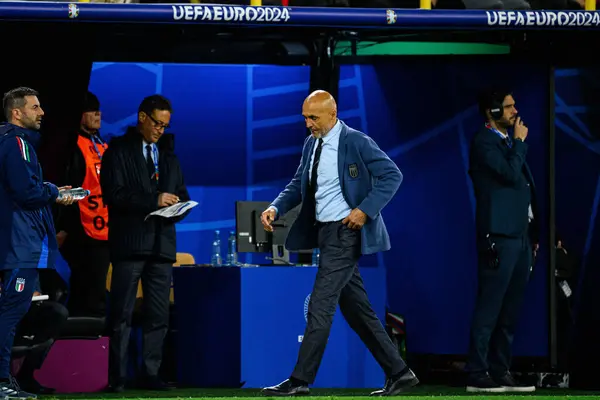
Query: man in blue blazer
(507,221)
(343,182)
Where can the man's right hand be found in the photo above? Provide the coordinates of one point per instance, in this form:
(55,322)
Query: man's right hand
(520,130)
(267,217)
(167,199)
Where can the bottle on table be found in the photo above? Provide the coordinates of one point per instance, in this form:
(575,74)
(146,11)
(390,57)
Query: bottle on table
(218,238)
(215,259)
(231,249)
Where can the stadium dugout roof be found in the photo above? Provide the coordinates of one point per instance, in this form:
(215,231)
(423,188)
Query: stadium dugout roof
(226,33)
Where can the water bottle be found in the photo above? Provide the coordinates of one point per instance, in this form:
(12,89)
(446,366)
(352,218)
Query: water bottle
(315,257)
(215,259)
(76,193)
(231,249)
(218,239)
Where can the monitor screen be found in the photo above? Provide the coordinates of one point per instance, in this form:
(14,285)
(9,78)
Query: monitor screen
(251,236)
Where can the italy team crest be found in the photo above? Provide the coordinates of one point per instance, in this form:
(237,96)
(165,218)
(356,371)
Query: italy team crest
(353,170)
(20,285)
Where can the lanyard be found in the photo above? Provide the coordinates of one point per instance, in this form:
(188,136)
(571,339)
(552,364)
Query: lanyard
(100,142)
(502,135)
(155,161)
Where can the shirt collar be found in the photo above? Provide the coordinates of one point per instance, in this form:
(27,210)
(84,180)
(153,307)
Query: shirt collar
(333,133)
(33,137)
(152,145)
(496,131)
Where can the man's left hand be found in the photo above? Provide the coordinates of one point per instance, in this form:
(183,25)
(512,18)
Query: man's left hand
(356,219)
(536,247)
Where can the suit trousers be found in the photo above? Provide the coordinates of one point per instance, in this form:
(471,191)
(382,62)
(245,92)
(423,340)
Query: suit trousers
(156,284)
(338,281)
(499,300)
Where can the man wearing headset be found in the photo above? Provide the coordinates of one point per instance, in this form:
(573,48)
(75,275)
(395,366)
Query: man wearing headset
(506,230)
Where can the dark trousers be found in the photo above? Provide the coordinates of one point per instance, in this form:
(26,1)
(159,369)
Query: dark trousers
(156,284)
(18,286)
(499,299)
(44,322)
(338,281)
(87,288)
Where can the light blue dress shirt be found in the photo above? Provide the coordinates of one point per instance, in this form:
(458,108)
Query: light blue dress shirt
(152,151)
(331,205)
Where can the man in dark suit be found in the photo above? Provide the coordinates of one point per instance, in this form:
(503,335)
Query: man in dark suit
(505,195)
(141,174)
(343,182)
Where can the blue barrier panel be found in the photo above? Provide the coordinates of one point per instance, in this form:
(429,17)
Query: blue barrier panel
(300,16)
(243,327)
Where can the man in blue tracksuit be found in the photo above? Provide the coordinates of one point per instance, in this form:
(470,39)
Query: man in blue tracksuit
(27,234)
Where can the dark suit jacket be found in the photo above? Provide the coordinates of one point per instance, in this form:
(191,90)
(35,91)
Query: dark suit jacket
(368,179)
(130,197)
(503,184)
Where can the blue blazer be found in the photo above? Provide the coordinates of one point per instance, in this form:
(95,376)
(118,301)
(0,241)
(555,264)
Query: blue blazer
(504,187)
(368,179)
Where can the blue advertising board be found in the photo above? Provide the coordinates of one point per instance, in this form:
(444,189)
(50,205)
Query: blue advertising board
(244,326)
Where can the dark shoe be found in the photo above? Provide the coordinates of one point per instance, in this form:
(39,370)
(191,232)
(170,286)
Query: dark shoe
(116,386)
(116,389)
(483,384)
(510,384)
(155,383)
(396,385)
(11,389)
(286,388)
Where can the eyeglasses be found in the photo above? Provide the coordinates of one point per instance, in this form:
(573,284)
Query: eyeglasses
(158,124)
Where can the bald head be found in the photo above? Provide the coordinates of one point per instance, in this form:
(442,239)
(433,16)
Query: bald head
(321,99)
(320,112)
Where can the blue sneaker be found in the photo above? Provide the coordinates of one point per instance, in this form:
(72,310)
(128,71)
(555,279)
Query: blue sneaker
(10,390)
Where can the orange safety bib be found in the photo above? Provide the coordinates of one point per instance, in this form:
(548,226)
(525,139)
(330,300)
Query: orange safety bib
(94,214)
